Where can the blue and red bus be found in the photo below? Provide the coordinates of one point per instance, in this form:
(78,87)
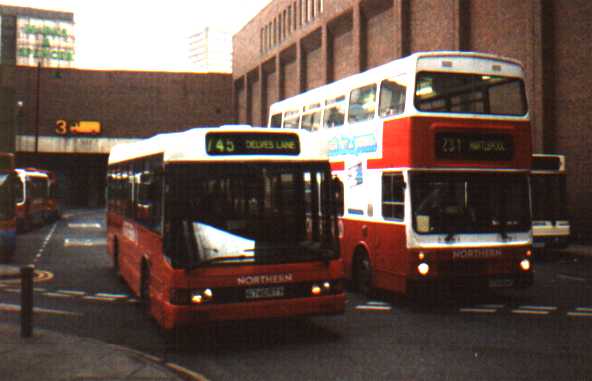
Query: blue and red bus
(434,153)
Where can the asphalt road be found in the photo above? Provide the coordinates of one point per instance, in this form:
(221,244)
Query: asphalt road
(543,333)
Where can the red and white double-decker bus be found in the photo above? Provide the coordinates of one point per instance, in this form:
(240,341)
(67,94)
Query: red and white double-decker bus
(7,206)
(433,151)
(228,223)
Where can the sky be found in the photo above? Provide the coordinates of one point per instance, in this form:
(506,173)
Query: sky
(144,34)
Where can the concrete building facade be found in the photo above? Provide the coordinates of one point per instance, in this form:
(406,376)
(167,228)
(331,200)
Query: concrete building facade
(302,44)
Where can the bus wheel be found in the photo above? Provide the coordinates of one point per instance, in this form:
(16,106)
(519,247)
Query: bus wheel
(145,287)
(362,273)
(116,266)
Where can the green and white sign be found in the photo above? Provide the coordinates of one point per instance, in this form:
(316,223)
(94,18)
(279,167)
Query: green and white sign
(50,42)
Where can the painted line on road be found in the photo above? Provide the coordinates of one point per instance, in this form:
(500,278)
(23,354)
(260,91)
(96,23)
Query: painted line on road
(479,310)
(530,312)
(99,298)
(571,277)
(56,295)
(44,244)
(113,296)
(75,242)
(496,306)
(77,225)
(580,314)
(584,309)
(373,308)
(72,292)
(185,372)
(538,308)
(17,308)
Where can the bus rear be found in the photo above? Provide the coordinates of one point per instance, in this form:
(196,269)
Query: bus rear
(7,206)
(248,229)
(550,222)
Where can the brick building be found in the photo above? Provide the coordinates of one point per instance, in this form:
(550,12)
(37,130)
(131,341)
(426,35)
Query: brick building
(43,107)
(302,44)
(127,105)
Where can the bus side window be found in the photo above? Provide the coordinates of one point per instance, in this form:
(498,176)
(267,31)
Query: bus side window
(311,121)
(276,121)
(392,98)
(334,112)
(393,196)
(362,104)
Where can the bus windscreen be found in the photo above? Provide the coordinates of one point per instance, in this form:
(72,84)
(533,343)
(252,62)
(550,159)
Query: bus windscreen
(445,92)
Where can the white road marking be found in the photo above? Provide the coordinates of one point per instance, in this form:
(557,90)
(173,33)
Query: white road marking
(44,244)
(479,310)
(72,293)
(103,299)
(75,242)
(580,314)
(56,295)
(114,296)
(530,312)
(373,308)
(538,308)
(571,277)
(75,225)
(17,308)
(584,309)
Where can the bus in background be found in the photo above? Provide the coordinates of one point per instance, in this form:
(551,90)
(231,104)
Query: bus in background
(32,190)
(52,207)
(433,151)
(550,222)
(229,223)
(7,206)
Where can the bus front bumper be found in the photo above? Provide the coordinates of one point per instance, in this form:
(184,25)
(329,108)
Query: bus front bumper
(181,315)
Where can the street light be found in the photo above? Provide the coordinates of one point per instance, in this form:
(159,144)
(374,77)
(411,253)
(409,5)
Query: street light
(37,98)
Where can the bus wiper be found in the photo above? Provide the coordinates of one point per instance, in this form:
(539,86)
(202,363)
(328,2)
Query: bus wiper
(240,257)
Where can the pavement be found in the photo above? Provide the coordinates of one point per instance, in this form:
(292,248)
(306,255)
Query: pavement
(53,356)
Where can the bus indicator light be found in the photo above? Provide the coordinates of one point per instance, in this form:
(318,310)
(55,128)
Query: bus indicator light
(525,264)
(423,268)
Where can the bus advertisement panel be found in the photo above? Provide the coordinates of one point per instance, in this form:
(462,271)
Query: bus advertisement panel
(433,151)
(227,223)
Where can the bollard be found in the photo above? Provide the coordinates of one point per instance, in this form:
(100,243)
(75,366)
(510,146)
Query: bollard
(27,300)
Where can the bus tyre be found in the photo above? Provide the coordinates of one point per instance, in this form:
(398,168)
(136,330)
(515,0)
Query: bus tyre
(362,273)
(145,287)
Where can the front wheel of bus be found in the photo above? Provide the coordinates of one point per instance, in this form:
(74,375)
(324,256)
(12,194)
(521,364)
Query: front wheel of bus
(145,287)
(363,273)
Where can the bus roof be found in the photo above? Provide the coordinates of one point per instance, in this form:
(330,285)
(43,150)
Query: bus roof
(190,145)
(449,61)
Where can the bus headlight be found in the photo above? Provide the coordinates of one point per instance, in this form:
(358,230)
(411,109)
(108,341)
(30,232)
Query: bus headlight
(321,289)
(525,264)
(200,297)
(423,268)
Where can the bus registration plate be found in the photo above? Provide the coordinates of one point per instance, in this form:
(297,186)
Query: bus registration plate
(264,292)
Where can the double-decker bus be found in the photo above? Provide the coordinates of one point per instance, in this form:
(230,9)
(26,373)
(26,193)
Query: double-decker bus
(223,224)
(550,222)
(7,206)
(433,151)
(32,194)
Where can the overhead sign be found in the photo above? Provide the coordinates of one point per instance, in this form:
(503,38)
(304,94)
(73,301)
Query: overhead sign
(82,127)
(50,42)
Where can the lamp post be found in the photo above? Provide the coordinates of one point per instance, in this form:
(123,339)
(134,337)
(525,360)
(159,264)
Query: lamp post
(37,98)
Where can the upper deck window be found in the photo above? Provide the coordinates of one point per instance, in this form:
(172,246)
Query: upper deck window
(469,94)
(362,104)
(334,112)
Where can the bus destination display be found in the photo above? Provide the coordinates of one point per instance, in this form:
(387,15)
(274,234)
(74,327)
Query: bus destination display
(252,144)
(463,146)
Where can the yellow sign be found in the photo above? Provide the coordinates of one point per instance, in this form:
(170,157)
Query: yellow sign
(82,127)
